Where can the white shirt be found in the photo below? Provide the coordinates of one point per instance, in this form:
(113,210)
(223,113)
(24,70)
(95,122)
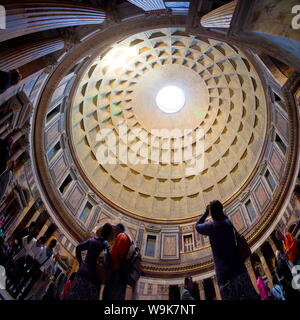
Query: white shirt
(42,257)
(27,245)
(36,251)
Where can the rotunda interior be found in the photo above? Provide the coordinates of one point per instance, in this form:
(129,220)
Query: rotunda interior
(141,113)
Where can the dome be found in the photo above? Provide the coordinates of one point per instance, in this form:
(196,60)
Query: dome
(167,166)
(143,113)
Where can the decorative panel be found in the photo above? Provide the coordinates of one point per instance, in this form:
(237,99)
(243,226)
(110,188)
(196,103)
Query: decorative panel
(75,198)
(59,168)
(282,124)
(52,133)
(261,196)
(237,220)
(170,246)
(276,162)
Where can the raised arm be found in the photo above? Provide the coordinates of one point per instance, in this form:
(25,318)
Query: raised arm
(203,227)
(81,247)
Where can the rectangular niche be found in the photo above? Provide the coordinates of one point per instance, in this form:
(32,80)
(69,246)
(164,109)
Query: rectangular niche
(85,213)
(53,112)
(280,143)
(66,183)
(150,246)
(53,151)
(270,180)
(188,242)
(169,246)
(250,210)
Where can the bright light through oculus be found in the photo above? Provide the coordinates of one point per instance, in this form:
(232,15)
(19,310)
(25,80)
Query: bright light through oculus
(170,99)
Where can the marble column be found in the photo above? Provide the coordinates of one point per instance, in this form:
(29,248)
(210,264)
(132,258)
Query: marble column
(273,245)
(36,214)
(265,266)
(217,290)
(251,273)
(220,17)
(165,292)
(128,293)
(181,286)
(25,18)
(25,53)
(201,290)
(21,216)
(46,225)
(101,292)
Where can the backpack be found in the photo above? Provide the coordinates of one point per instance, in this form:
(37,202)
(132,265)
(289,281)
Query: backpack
(103,267)
(241,244)
(132,264)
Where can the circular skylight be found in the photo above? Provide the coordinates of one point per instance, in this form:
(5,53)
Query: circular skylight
(170,99)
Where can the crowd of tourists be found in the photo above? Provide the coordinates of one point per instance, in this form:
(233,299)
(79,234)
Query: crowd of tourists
(31,264)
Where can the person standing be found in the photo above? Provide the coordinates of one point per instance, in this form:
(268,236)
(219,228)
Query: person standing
(277,291)
(285,277)
(262,287)
(232,276)
(47,277)
(187,290)
(34,251)
(60,283)
(86,285)
(22,260)
(39,271)
(115,288)
(290,246)
(17,243)
(68,286)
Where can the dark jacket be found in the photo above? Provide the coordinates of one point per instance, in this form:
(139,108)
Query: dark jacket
(227,259)
(94,247)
